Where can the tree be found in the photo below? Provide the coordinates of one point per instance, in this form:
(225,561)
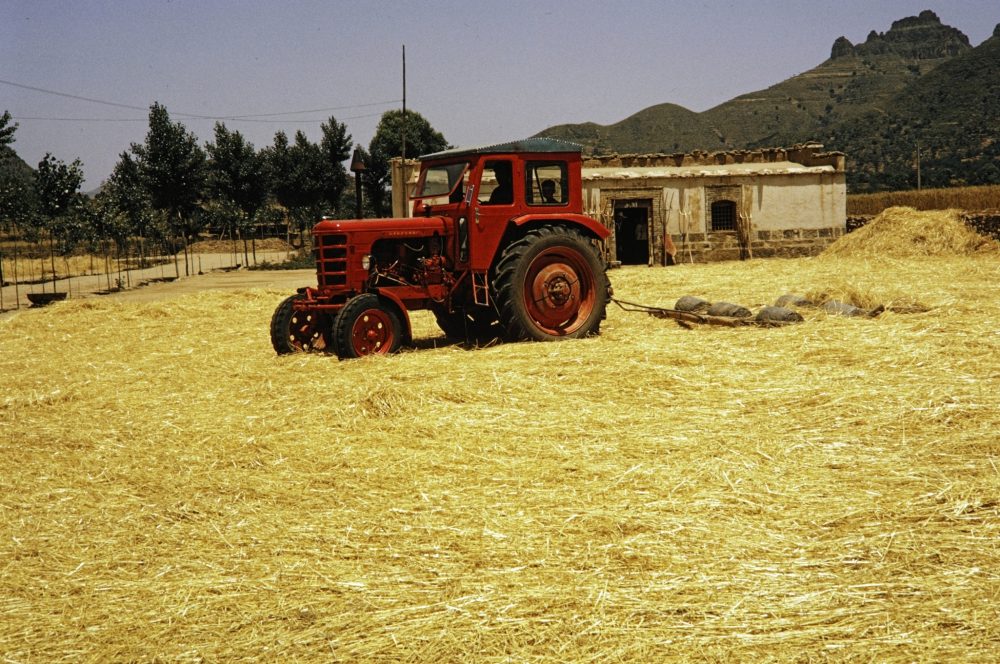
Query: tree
(126,208)
(125,193)
(336,147)
(17,181)
(173,171)
(58,186)
(6,131)
(420,137)
(298,174)
(237,178)
(236,172)
(104,222)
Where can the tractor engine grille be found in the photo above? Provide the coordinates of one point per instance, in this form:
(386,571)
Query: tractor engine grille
(331,260)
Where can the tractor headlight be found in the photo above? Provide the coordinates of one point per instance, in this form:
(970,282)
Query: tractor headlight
(366,261)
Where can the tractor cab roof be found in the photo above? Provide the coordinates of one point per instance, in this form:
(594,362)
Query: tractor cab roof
(524,145)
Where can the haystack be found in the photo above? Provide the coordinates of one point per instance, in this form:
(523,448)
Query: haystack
(903,232)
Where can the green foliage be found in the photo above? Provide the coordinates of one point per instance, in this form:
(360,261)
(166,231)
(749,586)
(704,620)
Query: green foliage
(172,168)
(125,203)
(17,190)
(298,173)
(6,129)
(393,132)
(336,147)
(59,199)
(237,177)
(17,180)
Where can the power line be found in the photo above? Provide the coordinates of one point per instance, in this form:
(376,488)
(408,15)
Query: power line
(69,96)
(248,119)
(24,118)
(242,117)
(316,110)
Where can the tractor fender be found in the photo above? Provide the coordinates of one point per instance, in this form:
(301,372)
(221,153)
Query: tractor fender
(590,225)
(393,300)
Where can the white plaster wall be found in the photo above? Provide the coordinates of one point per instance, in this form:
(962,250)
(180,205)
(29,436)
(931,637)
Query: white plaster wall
(786,202)
(684,207)
(779,202)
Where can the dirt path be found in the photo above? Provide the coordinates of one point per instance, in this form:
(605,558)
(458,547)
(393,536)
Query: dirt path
(150,284)
(239,279)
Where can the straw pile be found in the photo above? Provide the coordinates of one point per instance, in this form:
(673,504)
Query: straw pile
(831,490)
(903,232)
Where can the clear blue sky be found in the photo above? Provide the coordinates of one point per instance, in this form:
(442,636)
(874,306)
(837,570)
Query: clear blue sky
(479,72)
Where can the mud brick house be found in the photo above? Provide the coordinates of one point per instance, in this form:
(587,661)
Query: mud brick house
(717,206)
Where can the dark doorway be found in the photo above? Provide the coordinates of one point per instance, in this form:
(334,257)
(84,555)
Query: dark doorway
(632,231)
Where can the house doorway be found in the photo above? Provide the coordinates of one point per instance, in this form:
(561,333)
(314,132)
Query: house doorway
(632,231)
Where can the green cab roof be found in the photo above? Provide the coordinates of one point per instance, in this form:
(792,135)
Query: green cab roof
(523,145)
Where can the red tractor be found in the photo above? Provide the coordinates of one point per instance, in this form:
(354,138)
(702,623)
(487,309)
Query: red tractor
(498,247)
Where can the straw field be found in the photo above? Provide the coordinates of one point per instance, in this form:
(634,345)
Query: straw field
(984,197)
(174,491)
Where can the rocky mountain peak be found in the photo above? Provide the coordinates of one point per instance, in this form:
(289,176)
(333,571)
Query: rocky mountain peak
(921,37)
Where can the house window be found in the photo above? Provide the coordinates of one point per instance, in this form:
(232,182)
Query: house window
(723,216)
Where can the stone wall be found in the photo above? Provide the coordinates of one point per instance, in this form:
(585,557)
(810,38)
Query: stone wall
(985,223)
(724,245)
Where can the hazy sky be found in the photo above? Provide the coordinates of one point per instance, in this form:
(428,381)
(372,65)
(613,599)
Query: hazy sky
(479,72)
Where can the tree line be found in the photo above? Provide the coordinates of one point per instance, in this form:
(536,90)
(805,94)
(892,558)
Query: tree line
(169,189)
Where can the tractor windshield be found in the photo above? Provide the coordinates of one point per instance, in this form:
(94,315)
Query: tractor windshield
(444,181)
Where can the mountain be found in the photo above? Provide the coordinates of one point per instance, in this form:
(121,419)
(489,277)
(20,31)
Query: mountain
(952,115)
(883,83)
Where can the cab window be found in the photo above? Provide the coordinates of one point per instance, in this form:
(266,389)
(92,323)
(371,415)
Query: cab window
(497,186)
(546,183)
(441,184)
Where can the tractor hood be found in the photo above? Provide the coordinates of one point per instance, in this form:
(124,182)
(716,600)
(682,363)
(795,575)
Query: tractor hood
(399,227)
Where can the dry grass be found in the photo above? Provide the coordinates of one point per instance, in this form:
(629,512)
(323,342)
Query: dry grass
(826,491)
(986,197)
(31,269)
(229,246)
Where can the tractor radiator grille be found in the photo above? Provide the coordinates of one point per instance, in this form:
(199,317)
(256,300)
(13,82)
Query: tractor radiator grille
(331,260)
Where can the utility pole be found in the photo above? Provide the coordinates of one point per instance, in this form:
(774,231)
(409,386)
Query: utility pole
(403,137)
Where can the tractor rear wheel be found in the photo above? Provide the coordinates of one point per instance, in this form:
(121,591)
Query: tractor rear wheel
(550,284)
(367,326)
(299,331)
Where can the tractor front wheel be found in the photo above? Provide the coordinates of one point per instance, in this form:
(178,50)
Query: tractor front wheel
(299,331)
(367,326)
(550,284)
